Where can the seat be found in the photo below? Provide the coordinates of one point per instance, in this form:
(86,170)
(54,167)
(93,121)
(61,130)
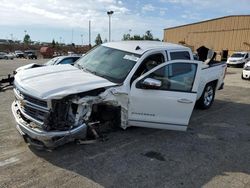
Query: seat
(150,64)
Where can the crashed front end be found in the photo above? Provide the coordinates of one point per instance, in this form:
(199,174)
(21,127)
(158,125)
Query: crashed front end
(54,122)
(35,121)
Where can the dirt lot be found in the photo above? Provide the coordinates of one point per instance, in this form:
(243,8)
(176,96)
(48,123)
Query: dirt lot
(214,152)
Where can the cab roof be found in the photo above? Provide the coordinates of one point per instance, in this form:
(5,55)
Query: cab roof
(140,47)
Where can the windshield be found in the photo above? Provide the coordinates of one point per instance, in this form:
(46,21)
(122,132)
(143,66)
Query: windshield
(52,61)
(238,55)
(109,63)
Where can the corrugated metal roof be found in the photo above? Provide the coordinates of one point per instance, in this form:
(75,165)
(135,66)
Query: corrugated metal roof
(206,21)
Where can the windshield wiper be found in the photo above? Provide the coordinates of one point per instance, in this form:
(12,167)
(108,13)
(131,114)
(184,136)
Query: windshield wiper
(86,70)
(82,68)
(93,72)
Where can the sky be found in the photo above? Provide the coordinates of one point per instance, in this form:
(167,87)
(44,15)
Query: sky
(67,21)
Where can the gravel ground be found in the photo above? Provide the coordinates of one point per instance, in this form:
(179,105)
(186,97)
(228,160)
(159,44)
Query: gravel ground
(214,152)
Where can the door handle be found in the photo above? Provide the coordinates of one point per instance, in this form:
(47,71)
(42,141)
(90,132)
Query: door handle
(186,101)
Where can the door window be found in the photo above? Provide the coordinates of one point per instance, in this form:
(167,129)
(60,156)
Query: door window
(174,77)
(149,63)
(180,55)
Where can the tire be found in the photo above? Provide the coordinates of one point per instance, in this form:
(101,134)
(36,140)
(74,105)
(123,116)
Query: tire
(207,98)
(242,77)
(6,58)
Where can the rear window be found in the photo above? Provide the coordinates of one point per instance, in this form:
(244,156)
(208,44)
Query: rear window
(180,55)
(238,55)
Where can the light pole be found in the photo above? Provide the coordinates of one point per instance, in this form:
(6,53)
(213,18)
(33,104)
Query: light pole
(89,32)
(110,14)
(72,36)
(82,38)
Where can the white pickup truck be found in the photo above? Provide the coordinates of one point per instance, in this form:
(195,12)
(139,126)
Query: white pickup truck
(133,83)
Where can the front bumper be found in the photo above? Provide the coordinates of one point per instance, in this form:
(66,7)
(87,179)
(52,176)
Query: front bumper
(246,74)
(50,139)
(235,63)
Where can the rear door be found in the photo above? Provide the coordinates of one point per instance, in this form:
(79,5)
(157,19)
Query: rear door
(169,101)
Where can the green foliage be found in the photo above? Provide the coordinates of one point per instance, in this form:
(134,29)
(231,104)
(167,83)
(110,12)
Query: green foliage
(98,39)
(126,37)
(26,39)
(147,36)
(53,43)
(136,37)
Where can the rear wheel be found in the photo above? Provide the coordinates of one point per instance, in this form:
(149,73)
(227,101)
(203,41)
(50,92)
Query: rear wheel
(207,97)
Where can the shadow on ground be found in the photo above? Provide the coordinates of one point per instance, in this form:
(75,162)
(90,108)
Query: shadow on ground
(217,142)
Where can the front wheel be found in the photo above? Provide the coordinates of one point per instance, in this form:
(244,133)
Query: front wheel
(207,97)
(242,77)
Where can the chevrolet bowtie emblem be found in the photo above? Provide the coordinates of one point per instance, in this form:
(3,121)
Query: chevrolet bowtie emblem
(22,102)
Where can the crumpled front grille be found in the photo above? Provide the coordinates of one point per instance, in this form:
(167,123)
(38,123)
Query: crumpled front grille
(31,99)
(35,101)
(31,107)
(34,113)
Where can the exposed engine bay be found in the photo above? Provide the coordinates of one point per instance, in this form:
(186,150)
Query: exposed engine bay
(73,111)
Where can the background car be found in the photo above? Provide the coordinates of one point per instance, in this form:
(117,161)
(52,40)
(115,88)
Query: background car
(246,71)
(30,54)
(19,54)
(4,55)
(238,59)
(60,60)
(63,60)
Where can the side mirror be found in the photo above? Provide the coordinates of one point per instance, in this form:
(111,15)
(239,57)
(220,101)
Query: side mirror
(150,83)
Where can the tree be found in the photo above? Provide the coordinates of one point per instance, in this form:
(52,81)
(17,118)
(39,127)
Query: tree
(57,44)
(26,39)
(98,39)
(53,43)
(126,37)
(148,35)
(136,37)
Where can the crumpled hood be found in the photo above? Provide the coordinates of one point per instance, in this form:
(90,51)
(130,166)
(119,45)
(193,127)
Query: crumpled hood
(55,82)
